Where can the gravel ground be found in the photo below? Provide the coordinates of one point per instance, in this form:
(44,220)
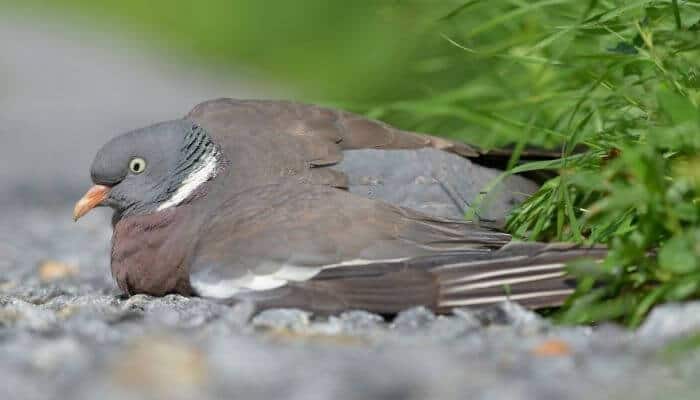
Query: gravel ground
(65,332)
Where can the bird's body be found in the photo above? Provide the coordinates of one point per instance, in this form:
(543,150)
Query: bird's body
(278,232)
(266,140)
(249,200)
(325,250)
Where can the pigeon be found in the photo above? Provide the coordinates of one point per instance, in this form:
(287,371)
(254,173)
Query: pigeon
(228,205)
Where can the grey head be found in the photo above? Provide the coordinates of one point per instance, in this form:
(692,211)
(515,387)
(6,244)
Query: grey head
(151,169)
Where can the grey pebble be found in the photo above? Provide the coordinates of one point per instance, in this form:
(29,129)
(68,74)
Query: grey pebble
(669,321)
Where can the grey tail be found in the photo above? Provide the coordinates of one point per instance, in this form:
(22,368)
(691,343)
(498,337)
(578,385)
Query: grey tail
(531,274)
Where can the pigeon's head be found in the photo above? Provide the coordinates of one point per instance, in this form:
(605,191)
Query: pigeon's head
(150,169)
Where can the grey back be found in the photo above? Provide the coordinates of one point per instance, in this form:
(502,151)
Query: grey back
(432,181)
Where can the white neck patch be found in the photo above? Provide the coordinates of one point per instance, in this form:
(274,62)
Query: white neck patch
(202,173)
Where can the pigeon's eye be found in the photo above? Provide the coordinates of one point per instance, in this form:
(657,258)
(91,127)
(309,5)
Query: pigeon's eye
(137,165)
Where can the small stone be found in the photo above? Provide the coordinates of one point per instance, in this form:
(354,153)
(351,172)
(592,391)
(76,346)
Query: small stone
(137,303)
(282,319)
(671,321)
(23,315)
(8,317)
(469,316)
(493,315)
(66,312)
(7,285)
(448,328)
(359,321)
(413,319)
(51,270)
(552,348)
(511,314)
(161,365)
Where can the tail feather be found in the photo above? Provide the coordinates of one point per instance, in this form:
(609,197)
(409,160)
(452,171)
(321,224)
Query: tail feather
(532,274)
(500,283)
(539,299)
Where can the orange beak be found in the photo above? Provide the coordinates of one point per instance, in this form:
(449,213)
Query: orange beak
(92,199)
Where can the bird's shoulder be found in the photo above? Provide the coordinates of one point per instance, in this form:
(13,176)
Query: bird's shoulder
(313,124)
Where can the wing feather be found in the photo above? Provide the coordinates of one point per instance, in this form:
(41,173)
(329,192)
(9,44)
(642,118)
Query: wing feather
(270,235)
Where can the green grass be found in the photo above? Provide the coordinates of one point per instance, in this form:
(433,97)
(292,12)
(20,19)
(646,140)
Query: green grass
(620,77)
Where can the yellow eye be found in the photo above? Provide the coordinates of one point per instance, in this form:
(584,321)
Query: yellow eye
(137,165)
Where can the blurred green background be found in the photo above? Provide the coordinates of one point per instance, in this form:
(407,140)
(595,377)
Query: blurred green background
(618,77)
(476,70)
(468,69)
(353,50)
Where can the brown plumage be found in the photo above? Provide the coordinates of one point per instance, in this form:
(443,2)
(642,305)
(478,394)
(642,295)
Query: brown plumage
(266,140)
(299,237)
(240,200)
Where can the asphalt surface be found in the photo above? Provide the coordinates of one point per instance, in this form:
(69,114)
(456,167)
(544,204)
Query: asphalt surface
(67,333)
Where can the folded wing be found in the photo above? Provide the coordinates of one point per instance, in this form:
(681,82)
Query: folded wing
(269,236)
(266,140)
